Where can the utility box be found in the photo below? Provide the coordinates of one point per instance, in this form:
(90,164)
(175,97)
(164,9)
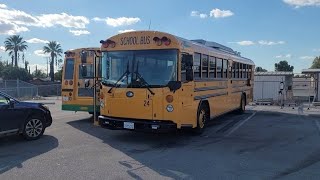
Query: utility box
(272,85)
(315,74)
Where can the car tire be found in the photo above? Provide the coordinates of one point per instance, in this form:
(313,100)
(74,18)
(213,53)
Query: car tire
(202,119)
(33,128)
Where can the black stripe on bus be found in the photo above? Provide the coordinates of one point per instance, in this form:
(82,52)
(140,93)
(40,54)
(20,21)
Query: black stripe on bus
(210,79)
(67,90)
(210,88)
(237,91)
(241,85)
(210,95)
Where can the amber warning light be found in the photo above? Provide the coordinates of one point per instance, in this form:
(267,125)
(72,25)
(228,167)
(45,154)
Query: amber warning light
(70,54)
(164,40)
(108,43)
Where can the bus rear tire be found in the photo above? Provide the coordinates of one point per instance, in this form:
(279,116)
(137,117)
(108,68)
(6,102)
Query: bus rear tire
(202,119)
(242,107)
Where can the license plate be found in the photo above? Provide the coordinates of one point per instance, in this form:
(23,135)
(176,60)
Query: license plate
(128,125)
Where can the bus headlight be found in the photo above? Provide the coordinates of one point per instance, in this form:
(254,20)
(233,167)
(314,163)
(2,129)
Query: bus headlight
(169,108)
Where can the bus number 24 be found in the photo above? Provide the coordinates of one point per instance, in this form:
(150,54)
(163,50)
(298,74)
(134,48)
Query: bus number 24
(146,103)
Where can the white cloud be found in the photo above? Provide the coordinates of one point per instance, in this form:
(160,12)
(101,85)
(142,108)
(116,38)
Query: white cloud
(270,43)
(9,28)
(116,22)
(302,3)
(2,48)
(245,43)
(40,53)
(98,19)
(3,6)
(79,32)
(217,13)
(126,30)
(197,14)
(316,50)
(307,57)
(194,13)
(42,67)
(63,19)
(36,41)
(288,56)
(18,20)
(202,16)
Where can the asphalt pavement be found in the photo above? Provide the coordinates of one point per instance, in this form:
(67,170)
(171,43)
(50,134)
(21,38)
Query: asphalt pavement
(263,143)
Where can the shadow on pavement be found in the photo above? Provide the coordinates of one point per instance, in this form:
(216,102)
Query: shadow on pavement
(15,150)
(169,154)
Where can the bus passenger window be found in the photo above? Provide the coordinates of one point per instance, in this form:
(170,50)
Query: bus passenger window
(236,70)
(249,72)
(183,68)
(204,66)
(245,75)
(196,65)
(212,63)
(219,68)
(240,70)
(230,69)
(233,70)
(225,68)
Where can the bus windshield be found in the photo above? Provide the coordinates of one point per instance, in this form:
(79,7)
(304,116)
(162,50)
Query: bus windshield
(125,68)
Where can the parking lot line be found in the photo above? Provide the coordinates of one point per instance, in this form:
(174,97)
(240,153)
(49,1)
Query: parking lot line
(240,124)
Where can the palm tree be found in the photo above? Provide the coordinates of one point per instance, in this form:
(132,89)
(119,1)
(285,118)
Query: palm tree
(54,49)
(14,44)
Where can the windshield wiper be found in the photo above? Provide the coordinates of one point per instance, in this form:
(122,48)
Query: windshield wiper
(121,77)
(142,79)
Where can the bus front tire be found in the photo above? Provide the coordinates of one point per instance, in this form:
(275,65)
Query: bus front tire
(202,119)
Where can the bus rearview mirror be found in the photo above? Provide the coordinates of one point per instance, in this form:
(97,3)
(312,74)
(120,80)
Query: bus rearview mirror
(174,85)
(83,55)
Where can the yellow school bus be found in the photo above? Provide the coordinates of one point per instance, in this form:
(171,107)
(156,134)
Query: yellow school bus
(77,79)
(157,81)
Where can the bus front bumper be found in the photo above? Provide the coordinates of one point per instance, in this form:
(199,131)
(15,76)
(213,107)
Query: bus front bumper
(135,124)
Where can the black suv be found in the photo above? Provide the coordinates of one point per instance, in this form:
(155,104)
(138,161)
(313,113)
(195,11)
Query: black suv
(26,118)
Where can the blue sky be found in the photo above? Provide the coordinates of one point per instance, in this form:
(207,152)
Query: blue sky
(265,31)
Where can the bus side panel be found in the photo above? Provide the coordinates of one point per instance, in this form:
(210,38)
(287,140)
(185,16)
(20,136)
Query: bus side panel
(188,106)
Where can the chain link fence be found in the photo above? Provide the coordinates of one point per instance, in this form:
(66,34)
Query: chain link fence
(23,90)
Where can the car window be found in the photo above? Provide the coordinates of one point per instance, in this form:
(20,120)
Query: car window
(3,100)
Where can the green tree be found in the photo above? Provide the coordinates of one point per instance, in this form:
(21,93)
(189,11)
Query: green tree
(283,66)
(39,74)
(13,45)
(13,73)
(54,49)
(58,75)
(2,65)
(260,69)
(316,63)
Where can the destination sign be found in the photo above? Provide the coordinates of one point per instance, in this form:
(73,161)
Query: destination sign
(135,40)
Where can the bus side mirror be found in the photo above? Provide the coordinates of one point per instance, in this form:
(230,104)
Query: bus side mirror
(174,85)
(188,59)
